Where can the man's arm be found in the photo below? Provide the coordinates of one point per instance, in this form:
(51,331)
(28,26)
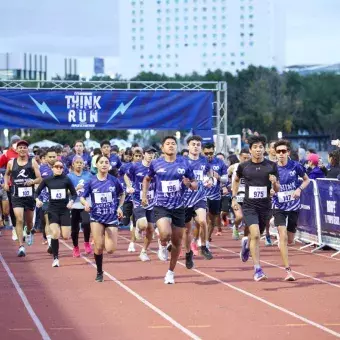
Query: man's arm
(8,175)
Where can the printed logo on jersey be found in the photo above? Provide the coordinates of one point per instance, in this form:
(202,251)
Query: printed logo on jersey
(181,171)
(112,189)
(292,173)
(159,171)
(216,167)
(22,174)
(140,174)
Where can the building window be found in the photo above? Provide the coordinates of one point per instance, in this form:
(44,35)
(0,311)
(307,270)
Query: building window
(159,56)
(233,63)
(243,63)
(142,56)
(251,43)
(142,65)
(159,65)
(151,65)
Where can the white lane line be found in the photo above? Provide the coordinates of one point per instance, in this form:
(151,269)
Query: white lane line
(141,299)
(24,299)
(277,266)
(255,297)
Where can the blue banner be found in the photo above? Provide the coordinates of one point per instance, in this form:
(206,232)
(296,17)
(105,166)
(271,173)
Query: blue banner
(207,135)
(329,198)
(307,216)
(105,110)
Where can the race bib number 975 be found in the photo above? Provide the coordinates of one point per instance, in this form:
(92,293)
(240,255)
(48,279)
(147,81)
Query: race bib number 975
(257,192)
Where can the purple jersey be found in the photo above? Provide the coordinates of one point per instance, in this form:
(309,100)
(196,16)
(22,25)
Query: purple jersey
(105,199)
(201,169)
(136,173)
(217,165)
(289,182)
(115,161)
(169,176)
(45,171)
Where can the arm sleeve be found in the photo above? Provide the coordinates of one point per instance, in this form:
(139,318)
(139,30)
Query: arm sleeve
(41,186)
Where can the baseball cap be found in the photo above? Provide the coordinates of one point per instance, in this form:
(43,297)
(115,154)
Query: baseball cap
(149,149)
(314,158)
(22,142)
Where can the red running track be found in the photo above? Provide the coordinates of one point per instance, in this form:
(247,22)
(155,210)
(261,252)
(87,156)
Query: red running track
(216,300)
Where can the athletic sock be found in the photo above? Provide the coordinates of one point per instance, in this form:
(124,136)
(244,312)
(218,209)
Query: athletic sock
(257,266)
(55,248)
(99,262)
(49,238)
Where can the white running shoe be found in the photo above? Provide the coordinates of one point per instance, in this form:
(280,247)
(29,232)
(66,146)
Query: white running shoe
(169,278)
(21,251)
(14,235)
(55,263)
(162,252)
(144,256)
(138,233)
(131,248)
(29,239)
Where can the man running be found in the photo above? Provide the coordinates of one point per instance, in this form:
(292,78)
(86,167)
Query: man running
(79,150)
(287,200)
(143,215)
(260,175)
(195,202)
(24,173)
(115,162)
(170,173)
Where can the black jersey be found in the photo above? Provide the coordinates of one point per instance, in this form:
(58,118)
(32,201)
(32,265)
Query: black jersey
(257,183)
(20,175)
(58,187)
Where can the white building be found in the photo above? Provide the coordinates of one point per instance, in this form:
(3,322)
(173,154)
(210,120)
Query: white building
(182,36)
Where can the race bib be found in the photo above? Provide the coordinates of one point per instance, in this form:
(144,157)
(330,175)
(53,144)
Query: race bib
(150,195)
(285,196)
(58,194)
(103,197)
(25,192)
(257,192)
(198,175)
(170,186)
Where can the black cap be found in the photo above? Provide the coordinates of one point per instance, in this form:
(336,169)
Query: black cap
(149,149)
(22,142)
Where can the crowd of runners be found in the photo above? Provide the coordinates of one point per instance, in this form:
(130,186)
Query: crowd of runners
(179,199)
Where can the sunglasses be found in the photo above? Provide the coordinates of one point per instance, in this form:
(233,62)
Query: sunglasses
(58,167)
(283,151)
(209,153)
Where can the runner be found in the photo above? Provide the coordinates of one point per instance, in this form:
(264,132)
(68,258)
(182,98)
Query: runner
(115,162)
(79,178)
(79,150)
(107,197)
(24,173)
(287,200)
(59,206)
(169,211)
(195,202)
(214,193)
(143,215)
(260,175)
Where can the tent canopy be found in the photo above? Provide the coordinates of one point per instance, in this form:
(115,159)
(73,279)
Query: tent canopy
(44,144)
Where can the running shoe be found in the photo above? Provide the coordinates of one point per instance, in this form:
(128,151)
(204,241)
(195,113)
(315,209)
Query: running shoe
(289,275)
(131,248)
(87,247)
(21,251)
(100,277)
(14,235)
(162,252)
(236,234)
(244,254)
(194,248)
(206,253)
(30,239)
(268,241)
(259,275)
(144,256)
(55,263)
(169,278)
(138,233)
(189,263)
(76,252)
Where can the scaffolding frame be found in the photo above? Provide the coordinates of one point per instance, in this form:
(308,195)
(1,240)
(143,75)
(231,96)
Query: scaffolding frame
(220,90)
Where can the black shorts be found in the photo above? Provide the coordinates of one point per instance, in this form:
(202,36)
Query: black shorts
(63,218)
(28,203)
(252,215)
(214,206)
(226,204)
(191,212)
(177,216)
(140,212)
(286,218)
(128,213)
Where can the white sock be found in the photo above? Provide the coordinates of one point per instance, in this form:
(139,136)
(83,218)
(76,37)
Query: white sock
(49,238)
(257,266)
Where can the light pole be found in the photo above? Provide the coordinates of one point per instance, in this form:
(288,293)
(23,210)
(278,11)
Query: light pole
(6,137)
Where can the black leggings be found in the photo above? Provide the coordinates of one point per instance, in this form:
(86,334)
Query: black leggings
(77,216)
(11,211)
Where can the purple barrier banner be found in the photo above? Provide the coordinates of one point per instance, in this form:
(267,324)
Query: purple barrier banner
(307,218)
(329,194)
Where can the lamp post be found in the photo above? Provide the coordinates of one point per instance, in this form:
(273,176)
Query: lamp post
(6,137)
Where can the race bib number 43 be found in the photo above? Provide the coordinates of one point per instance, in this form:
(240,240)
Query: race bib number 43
(25,192)
(103,197)
(170,186)
(257,192)
(58,194)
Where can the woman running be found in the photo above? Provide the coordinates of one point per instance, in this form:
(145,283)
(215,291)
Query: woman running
(58,214)
(78,215)
(107,197)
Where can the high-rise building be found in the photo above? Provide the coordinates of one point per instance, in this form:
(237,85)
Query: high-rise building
(182,36)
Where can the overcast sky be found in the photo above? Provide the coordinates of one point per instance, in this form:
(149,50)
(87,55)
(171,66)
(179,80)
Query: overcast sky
(86,28)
